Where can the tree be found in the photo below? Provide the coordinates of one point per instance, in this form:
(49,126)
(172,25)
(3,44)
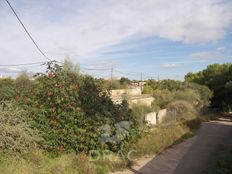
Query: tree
(124,82)
(68,66)
(217,77)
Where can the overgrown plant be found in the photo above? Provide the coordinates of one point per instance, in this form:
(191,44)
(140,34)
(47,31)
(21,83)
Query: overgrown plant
(70,110)
(16,135)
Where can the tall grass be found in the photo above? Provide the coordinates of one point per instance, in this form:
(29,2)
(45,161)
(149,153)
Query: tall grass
(164,136)
(40,163)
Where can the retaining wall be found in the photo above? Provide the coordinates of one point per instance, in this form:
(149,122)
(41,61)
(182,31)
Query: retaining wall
(154,118)
(151,118)
(120,93)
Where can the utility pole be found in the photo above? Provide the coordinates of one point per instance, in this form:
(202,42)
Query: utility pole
(111,77)
(141,79)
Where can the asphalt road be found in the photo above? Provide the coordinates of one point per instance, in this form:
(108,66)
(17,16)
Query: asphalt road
(192,156)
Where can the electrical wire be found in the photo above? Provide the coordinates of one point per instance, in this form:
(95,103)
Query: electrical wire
(96,69)
(20,21)
(22,64)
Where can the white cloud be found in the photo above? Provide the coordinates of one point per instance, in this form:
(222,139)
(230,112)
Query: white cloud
(217,54)
(171,65)
(221,49)
(179,63)
(82,28)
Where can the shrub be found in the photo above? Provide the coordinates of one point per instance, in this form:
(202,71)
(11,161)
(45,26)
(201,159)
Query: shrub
(7,89)
(182,109)
(190,95)
(147,90)
(163,97)
(23,86)
(140,111)
(16,134)
(70,110)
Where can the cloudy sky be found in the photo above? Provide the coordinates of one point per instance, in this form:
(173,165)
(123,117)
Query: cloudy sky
(159,38)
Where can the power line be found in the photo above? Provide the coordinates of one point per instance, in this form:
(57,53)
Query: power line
(36,45)
(126,73)
(22,64)
(95,69)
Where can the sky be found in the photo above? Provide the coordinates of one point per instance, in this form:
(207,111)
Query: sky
(158,38)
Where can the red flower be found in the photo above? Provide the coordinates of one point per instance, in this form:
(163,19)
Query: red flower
(51,74)
(17,97)
(75,87)
(49,94)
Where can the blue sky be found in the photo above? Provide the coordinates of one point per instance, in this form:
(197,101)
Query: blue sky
(159,38)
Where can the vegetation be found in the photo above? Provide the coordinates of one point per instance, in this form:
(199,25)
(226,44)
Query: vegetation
(169,91)
(122,83)
(39,162)
(148,89)
(16,135)
(70,110)
(218,78)
(51,123)
(60,113)
(163,136)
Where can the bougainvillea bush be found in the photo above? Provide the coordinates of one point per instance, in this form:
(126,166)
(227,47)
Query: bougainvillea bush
(70,110)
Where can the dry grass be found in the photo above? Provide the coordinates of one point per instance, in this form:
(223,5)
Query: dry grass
(39,163)
(162,137)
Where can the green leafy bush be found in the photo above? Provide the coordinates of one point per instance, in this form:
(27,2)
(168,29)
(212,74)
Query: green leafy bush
(16,134)
(216,77)
(70,110)
(147,90)
(163,98)
(7,89)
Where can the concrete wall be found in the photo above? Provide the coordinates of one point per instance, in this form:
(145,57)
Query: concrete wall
(145,101)
(162,114)
(151,118)
(119,93)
